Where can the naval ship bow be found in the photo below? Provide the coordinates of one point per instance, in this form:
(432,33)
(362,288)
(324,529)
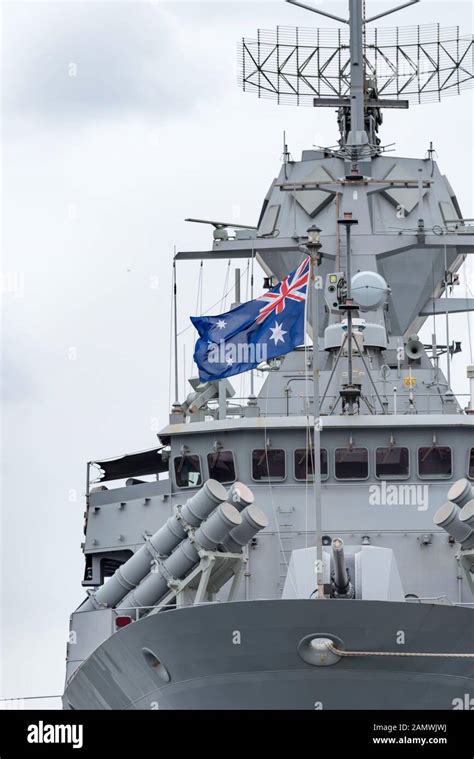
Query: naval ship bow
(349,585)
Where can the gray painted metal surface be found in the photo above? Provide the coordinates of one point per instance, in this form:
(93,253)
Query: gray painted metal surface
(413,438)
(245,656)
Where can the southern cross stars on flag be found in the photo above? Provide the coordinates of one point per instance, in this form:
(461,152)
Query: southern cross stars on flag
(252,332)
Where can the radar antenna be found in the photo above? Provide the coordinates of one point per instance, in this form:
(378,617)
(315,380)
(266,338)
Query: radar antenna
(357,69)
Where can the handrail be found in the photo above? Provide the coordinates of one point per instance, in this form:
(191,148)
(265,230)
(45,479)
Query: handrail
(404,405)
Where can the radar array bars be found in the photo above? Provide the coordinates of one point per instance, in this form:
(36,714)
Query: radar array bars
(296,65)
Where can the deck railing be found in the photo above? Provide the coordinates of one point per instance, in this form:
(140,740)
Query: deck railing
(284,405)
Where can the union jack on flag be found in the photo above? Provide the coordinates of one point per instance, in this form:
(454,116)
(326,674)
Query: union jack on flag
(292,287)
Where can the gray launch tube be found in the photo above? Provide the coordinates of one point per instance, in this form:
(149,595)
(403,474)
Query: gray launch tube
(184,558)
(162,542)
(467,514)
(253,520)
(203,502)
(240,496)
(460,492)
(194,511)
(214,530)
(447,517)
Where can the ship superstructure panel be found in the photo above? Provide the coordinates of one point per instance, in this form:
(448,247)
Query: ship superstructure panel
(394,510)
(315,189)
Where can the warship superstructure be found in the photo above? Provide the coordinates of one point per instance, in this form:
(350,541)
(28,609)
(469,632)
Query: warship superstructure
(310,546)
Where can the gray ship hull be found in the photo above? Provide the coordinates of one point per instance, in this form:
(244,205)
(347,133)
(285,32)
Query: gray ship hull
(244,655)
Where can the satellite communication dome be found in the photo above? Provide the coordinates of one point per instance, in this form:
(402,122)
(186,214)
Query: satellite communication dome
(369,290)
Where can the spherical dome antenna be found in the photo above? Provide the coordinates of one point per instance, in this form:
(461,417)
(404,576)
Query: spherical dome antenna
(369,290)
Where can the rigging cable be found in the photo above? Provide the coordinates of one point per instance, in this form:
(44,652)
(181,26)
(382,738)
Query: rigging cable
(434,338)
(468,314)
(199,289)
(184,370)
(275,514)
(28,698)
(251,298)
(173,328)
(226,285)
(243,376)
(306,393)
(189,326)
(170,343)
(448,352)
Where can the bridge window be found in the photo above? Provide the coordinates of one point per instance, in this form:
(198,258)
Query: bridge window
(221,466)
(392,462)
(470,470)
(351,463)
(435,461)
(187,469)
(304,469)
(268,464)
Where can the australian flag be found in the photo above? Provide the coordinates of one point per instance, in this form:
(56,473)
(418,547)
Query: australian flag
(253,332)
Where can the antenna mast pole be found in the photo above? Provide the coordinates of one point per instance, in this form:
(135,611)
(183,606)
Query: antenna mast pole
(312,249)
(357,136)
(175,326)
(313,282)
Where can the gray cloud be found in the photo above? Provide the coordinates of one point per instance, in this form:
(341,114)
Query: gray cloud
(72,61)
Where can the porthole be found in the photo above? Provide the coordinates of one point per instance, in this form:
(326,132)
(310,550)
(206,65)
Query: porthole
(156,665)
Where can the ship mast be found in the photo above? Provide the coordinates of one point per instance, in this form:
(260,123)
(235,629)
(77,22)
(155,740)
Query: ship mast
(360,99)
(312,249)
(357,136)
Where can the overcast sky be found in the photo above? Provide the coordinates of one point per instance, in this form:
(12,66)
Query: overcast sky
(120,120)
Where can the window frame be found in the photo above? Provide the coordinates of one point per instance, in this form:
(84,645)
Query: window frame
(223,450)
(187,487)
(470,452)
(392,476)
(324,477)
(434,476)
(268,479)
(352,479)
